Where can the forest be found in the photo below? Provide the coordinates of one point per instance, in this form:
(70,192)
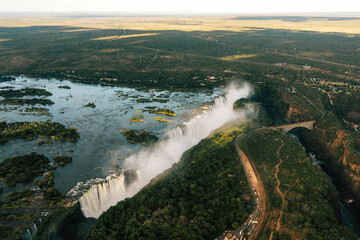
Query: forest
(23,168)
(30,130)
(21,101)
(297,75)
(141,137)
(201,196)
(62,160)
(197,55)
(15,97)
(10,93)
(311,204)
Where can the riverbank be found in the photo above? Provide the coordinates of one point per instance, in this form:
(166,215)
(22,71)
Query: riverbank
(84,146)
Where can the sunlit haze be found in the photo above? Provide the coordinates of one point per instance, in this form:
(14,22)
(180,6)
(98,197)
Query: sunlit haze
(184,6)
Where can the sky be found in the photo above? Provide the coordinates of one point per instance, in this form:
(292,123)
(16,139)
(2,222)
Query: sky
(180,6)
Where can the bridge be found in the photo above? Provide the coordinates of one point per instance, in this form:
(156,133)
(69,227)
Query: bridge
(286,128)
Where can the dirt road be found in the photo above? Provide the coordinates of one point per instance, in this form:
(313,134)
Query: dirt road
(278,188)
(258,216)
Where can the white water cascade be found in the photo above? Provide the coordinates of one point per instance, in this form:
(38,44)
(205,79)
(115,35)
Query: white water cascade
(151,162)
(30,233)
(98,195)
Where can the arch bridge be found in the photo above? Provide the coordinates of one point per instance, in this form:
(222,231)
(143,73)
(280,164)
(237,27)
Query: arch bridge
(286,128)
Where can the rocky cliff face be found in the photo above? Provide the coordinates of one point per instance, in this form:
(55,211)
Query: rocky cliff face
(337,147)
(343,159)
(299,109)
(295,114)
(334,146)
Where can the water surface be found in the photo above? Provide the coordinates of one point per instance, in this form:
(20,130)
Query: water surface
(101,147)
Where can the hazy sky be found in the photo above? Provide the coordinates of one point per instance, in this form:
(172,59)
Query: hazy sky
(181,6)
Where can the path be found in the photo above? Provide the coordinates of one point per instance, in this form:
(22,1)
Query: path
(315,59)
(110,40)
(278,188)
(330,100)
(317,108)
(153,59)
(256,219)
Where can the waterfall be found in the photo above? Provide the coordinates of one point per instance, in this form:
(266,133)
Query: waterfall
(97,196)
(100,196)
(29,234)
(151,162)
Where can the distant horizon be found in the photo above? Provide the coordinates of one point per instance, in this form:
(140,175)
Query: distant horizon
(184,7)
(154,14)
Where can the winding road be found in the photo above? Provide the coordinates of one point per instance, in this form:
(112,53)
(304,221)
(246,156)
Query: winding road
(258,191)
(153,59)
(254,223)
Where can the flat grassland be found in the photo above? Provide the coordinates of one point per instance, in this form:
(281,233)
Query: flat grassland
(188,53)
(350,25)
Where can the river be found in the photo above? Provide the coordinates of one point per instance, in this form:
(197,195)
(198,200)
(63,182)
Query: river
(101,148)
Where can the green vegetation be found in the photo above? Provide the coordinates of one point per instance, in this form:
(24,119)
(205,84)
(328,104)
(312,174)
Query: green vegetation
(47,182)
(199,197)
(51,223)
(10,217)
(9,109)
(62,160)
(19,210)
(25,130)
(52,195)
(7,232)
(63,222)
(311,206)
(143,100)
(91,105)
(15,213)
(138,136)
(164,111)
(137,118)
(64,87)
(348,106)
(14,97)
(297,75)
(149,107)
(10,93)
(23,168)
(160,100)
(160,119)
(268,95)
(334,107)
(45,142)
(240,103)
(21,101)
(6,78)
(186,60)
(36,111)
(14,196)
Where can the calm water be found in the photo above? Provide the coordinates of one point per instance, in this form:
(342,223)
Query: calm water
(101,147)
